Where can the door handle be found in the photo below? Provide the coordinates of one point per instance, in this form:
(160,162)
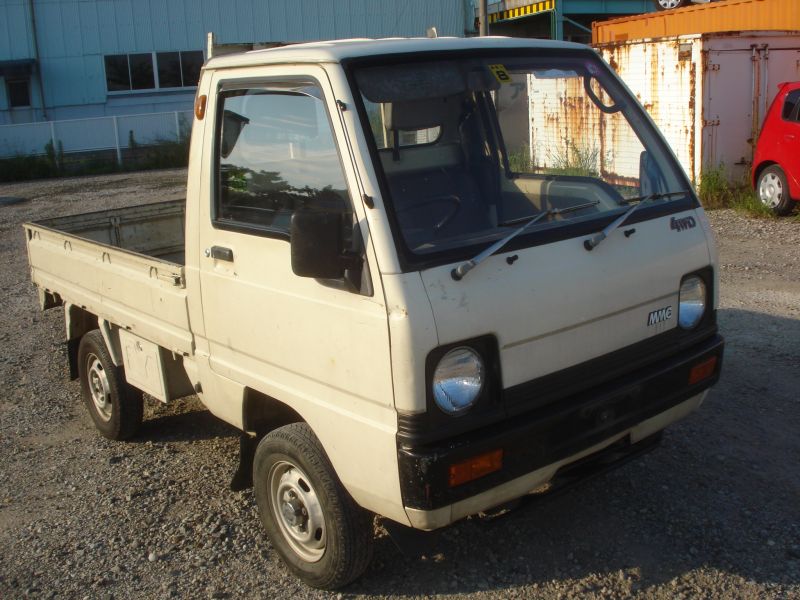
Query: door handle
(219,253)
(789,136)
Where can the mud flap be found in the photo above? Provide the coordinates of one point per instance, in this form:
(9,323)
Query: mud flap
(243,478)
(410,542)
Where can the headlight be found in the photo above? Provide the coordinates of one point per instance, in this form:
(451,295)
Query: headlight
(457,380)
(692,303)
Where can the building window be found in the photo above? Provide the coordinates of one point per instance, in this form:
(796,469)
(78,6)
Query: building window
(179,69)
(150,70)
(141,67)
(19,93)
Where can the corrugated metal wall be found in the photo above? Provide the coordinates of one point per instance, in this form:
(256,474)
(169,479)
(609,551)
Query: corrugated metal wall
(74,35)
(16,41)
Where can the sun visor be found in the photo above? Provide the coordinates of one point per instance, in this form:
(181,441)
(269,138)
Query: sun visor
(420,114)
(423,80)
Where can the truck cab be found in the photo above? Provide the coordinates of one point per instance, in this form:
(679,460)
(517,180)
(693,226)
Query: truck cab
(416,293)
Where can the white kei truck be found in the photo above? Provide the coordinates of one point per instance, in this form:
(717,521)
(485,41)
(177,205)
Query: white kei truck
(416,292)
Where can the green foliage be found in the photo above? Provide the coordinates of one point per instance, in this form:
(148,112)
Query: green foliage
(520,161)
(716,191)
(22,168)
(575,161)
(162,155)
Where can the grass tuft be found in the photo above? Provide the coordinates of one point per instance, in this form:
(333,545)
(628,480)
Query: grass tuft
(716,191)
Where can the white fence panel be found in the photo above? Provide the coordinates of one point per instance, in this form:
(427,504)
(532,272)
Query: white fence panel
(147,129)
(101,133)
(86,134)
(29,138)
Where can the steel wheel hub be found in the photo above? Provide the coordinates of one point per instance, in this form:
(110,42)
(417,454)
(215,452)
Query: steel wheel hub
(770,191)
(296,509)
(99,387)
(669,3)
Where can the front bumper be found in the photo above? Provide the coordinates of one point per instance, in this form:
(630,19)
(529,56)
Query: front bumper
(535,445)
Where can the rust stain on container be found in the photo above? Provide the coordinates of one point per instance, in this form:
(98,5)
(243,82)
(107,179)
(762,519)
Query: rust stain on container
(693,118)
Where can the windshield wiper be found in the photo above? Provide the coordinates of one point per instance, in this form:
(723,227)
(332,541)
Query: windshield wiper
(465,267)
(598,237)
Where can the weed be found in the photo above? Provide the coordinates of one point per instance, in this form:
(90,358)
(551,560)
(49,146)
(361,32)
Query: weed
(716,191)
(520,161)
(572,161)
(162,155)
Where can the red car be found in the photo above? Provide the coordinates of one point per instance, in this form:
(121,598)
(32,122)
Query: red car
(776,164)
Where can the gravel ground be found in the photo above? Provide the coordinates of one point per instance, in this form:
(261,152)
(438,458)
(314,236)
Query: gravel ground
(714,512)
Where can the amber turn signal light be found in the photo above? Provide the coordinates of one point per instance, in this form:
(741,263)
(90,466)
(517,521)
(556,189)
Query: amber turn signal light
(702,370)
(200,107)
(475,467)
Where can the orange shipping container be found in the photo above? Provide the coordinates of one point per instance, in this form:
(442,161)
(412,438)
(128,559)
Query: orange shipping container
(730,15)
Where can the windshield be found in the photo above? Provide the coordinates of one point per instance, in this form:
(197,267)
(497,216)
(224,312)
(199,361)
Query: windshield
(470,147)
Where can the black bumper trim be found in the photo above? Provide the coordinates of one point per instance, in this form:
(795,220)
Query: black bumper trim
(553,432)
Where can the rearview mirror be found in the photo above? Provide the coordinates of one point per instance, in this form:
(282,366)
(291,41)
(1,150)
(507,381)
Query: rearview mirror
(316,245)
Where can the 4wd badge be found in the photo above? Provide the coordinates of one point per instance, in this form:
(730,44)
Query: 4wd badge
(659,316)
(681,224)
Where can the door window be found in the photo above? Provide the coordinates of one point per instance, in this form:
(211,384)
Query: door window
(275,154)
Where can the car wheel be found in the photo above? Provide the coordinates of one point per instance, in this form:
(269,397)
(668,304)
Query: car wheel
(670,4)
(321,534)
(115,406)
(773,190)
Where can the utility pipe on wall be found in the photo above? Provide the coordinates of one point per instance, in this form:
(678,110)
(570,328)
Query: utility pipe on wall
(483,17)
(36,58)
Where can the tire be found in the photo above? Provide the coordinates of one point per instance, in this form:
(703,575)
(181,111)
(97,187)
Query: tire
(320,533)
(115,406)
(773,190)
(670,4)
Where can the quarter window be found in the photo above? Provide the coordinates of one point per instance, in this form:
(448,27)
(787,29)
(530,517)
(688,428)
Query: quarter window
(275,154)
(791,106)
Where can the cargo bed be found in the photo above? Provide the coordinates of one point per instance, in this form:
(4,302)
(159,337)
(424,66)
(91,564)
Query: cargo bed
(124,265)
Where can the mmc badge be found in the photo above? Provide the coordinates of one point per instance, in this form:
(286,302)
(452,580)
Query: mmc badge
(659,316)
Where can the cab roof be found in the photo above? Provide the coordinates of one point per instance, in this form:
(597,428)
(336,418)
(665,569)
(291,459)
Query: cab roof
(337,50)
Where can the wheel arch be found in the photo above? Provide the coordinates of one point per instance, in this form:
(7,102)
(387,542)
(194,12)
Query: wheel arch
(262,413)
(764,164)
(79,322)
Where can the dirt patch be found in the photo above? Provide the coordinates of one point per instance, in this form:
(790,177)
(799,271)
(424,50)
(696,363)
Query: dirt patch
(714,512)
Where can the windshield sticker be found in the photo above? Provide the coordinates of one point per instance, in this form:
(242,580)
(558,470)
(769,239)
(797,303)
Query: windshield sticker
(500,73)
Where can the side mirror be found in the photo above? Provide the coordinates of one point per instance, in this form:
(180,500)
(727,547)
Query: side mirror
(316,244)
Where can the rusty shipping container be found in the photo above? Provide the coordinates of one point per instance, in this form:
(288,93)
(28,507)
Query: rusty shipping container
(708,93)
(716,17)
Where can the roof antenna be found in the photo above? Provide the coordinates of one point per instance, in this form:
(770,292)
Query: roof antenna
(431,32)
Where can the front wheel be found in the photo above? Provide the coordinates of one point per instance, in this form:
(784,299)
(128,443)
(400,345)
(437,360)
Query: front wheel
(316,528)
(773,190)
(670,4)
(115,406)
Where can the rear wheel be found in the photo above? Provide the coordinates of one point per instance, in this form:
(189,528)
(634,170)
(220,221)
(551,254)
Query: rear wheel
(670,4)
(316,528)
(773,190)
(115,406)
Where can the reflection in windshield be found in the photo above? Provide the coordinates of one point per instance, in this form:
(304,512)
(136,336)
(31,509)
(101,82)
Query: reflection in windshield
(467,145)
